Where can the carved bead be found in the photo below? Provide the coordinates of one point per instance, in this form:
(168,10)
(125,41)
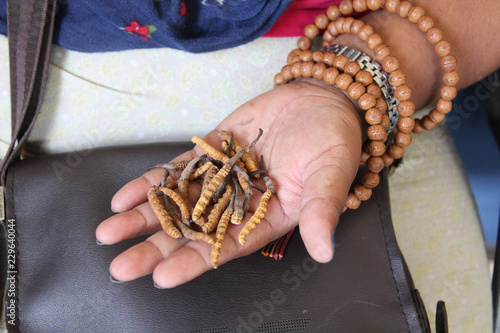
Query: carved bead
(355,90)
(327,37)
(406,124)
(385,121)
(449,63)
(373,116)
(356,26)
(425,23)
(395,151)
(381,52)
(434,35)
(322,21)
(375,164)
(343,81)
(278,79)
(352,68)
(340,61)
(443,106)
(304,43)
(370,179)
(442,48)
(296,69)
(373,4)
(402,93)
(404,8)
(376,133)
(286,71)
(307,69)
(359,5)
(374,89)
(448,93)
(402,139)
(328,58)
(346,7)
(427,123)
(418,129)
(390,64)
(373,41)
(451,78)
(332,29)
(387,160)
(406,108)
(311,31)
(292,54)
(375,148)
(362,192)
(381,105)
(391,5)
(366,101)
(415,14)
(436,116)
(333,13)
(318,70)
(329,75)
(364,77)
(317,56)
(365,32)
(306,55)
(346,26)
(397,78)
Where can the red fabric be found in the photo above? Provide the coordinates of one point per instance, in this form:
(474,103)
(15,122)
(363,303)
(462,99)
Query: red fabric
(299,14)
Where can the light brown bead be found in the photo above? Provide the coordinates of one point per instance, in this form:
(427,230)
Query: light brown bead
(278,79)
(352,201)
(364,77)
(374,89)
(382,3)
(434,35)
(373,4)
(392,5)
(340,61)
(295,59)
(373,41)
(402,139)
(327,37)
(381,52)
(376,133)
(318,70)
(449,63)
(328,58)
(427,123)
(356,26)
(418,129)
(292,54)
(346,7)
(359,5)
(442,48)
(387,160)
(395,151)
(397,78)
(304,43)
(311,31)
(366,101)
(390,64)
(385,121)
(332,29)
(405,124)
(365,32)
(306,55)
(375,164)
(346,26)
(362,192)
(415,14)
(364,157)
(451,78)
(406,108)
(356,90)
(317,56)
(339,25)
(322,21)
(343,81)
(448,93)
(296,69)
(425,23)
(286,72)
(373,116)
(329,75)
(402,93)
(381,105)
(443,106)
(370,179)
(404,8)
(436,116)
(352,68)
(307,69)
(375,148)
(333,13)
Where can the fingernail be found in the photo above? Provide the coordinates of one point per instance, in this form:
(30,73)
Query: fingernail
(157,286)
(98,243)
(112,279)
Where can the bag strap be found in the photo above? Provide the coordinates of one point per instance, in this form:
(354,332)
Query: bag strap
(30,29)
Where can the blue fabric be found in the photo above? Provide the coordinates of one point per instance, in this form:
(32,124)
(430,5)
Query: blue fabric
(203,25)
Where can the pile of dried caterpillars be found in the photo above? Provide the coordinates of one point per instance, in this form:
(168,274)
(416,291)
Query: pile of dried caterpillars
(225,194)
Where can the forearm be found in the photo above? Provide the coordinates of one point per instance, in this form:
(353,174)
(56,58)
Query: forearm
(470,27)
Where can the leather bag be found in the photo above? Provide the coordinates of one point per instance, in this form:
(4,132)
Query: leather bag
(57,277)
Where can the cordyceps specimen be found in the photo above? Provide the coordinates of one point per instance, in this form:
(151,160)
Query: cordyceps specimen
(226,189)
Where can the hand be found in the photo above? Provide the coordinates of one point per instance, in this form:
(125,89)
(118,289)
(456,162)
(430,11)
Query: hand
(311,146)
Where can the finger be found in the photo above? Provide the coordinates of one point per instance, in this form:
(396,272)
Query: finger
(135,192)
(138,221)
(141,259)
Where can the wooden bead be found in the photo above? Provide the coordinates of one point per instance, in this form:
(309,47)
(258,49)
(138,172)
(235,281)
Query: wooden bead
(425,23)
(427,123)
(352,201)
(317,56)
(304,43)
(307,69)
(442,48)
(356,90)
(364,77)
(339,25)
(332,29)
(418,129)
(322,21)
(443,106)
(395,151)
(381,52)
(327,37)
(362,192)
(404,8)
(278,79)
(402,93)
(370,179)
(386,122)
(359,5)
(449,63)
(328,58)
(436,116)
(363,158)
(306,55)
(375,164)
(373,41)
(296,69)
(366,101)
(397,78)
(340,61)
(365,32)
(352,68)
(325,44)
(451,78)
(382,3)
(375,90)
(373,116)
(448,93)
(373,4)
(329,75)
(311,31)
(405,124)
(415,14)
(376,133)
(387,160)
(343,81)
(356,26)
(392,5)
(434,35)
(295,59)
(402,139)
(406,108)
(390,64)
(318,70)
(375,148)
(346,26)
(292,54)
(333,13)
(381,105)
(346,7)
